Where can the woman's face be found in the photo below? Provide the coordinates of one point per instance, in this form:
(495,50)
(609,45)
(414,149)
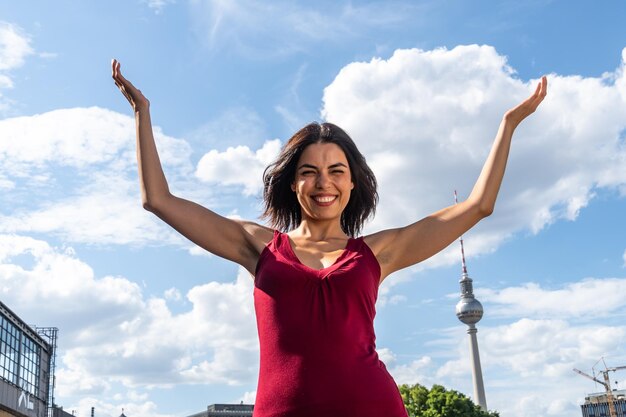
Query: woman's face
(323,182)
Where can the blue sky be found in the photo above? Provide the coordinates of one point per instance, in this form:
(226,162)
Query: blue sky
(151,324)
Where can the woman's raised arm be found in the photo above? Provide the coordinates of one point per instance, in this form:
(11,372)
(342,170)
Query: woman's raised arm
(240,242)
(399,248)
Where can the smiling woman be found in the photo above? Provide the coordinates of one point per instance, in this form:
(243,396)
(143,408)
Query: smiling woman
(316,282)
(334,157)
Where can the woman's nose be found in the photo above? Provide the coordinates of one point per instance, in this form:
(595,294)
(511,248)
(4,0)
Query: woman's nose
(322,180)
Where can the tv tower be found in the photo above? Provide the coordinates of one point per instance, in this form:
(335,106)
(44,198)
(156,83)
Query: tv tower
(469,310)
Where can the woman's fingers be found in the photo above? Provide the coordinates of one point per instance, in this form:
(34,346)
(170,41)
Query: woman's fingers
(528,106)
(115,73)
(540,91)
(539,94)
(122,83)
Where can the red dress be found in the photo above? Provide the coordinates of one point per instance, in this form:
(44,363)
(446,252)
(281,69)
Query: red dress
(316,332)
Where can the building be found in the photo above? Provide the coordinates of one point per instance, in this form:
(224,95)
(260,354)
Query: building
(60,412)
(25,368)
(222,410)
(596,405)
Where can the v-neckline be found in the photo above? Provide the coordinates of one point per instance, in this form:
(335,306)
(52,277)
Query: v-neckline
(294,256)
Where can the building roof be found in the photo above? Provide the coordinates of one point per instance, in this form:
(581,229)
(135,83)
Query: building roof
(600,397)
(21,324)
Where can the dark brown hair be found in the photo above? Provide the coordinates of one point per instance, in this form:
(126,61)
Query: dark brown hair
(281,205)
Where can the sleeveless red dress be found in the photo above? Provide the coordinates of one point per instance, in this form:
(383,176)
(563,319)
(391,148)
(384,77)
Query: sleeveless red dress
(316,333)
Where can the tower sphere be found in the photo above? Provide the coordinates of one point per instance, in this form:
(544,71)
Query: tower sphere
(469,310)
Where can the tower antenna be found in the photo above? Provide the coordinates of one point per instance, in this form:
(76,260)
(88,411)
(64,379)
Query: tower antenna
(464,266)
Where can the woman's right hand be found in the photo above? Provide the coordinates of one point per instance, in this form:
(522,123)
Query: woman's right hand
(132,94)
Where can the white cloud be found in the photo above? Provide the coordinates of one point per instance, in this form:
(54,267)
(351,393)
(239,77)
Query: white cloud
(543,353)
(532,353)
(172,294)
(81,138)
(549,348)
(624,257)
(5,82)
(113,335)
(106,216)
(72,172)
(238,166)
(14,46)
(386,355)
(196,250)
(418,370)
(573,300)
(538,352)
(135,407)
(249,397)
(426,120)
(58,277)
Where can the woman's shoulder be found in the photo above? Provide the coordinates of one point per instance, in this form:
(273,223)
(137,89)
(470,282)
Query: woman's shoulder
(379,240)
(260,235)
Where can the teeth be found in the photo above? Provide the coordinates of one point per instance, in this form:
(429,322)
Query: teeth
(324,199)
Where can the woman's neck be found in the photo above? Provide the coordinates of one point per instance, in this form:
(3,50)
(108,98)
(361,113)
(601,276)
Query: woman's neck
(319,231)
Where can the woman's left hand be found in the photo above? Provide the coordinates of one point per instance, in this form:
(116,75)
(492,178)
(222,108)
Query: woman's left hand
(528,106)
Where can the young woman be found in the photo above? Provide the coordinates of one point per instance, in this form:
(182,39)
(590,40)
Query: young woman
(315,281)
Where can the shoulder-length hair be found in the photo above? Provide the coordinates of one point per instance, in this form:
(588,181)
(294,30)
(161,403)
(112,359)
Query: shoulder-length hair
(281,205)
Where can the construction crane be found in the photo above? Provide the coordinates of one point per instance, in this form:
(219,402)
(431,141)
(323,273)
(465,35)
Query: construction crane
(607,385)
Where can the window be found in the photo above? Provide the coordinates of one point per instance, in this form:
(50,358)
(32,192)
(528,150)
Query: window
(9,350)
(29,365)
(19,357)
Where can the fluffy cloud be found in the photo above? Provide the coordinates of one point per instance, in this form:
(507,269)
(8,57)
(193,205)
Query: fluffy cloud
(72,172)
(249,397)
(426,119)
(56,276)
(238,166)
(551,332)
(543,353)
(531,300)
(81,138)
(532,352)
(106,216)
(113,335)
(14,48)
(549,348)
(409,373)
(130,405)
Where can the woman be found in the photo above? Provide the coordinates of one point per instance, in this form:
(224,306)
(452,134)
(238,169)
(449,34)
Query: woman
(315,283)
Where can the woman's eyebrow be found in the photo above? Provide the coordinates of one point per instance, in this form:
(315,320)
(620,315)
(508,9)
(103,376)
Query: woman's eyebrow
(338,164)
(307,166)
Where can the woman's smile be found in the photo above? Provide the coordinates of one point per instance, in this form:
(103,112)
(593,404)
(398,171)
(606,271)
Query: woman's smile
(324,200)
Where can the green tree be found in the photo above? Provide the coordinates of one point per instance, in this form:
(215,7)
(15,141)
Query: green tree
(439,402)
